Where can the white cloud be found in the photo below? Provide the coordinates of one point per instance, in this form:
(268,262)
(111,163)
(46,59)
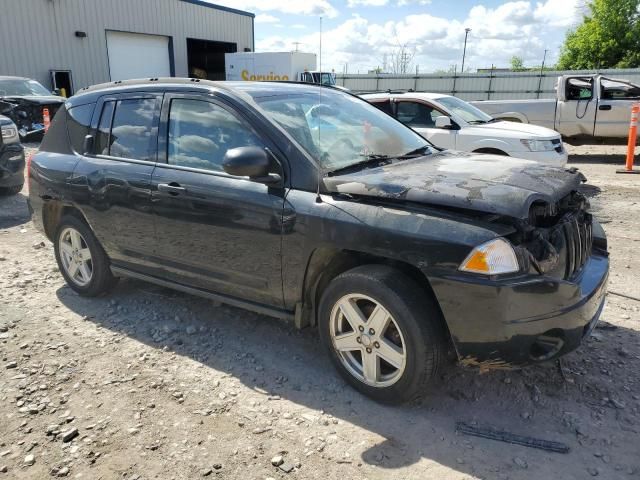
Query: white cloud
(266,18)
(520,27)
(306,7)
(366,3)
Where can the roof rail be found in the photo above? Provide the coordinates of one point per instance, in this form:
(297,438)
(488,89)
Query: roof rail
(140,81)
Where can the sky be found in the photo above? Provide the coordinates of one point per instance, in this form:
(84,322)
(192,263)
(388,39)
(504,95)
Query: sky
(360,35)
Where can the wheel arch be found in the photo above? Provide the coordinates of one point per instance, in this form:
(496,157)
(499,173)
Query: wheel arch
(52,213)
(491,151)
(325,264)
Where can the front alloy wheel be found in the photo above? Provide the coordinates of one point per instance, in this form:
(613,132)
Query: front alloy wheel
(383,332)
(368,340)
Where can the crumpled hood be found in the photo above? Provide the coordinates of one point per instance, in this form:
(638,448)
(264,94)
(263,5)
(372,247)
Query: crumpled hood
(486,183)
(35,99)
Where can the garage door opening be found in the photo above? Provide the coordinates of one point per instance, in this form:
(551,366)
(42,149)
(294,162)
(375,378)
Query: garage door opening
(206,58)
(137,55)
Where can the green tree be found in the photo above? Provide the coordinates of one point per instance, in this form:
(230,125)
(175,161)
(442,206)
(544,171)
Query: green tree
(517,64)
(608,37)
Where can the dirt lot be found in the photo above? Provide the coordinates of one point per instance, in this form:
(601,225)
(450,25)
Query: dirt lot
(150,383)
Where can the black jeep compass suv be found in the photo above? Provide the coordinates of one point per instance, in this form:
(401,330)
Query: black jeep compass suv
(306,203)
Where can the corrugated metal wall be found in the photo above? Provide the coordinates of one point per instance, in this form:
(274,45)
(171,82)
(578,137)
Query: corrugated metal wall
(39,35)
(475,86)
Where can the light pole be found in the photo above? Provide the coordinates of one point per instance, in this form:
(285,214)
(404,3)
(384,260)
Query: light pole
(464,52)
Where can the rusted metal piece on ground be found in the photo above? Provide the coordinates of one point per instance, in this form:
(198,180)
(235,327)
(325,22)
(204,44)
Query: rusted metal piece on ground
(508,437)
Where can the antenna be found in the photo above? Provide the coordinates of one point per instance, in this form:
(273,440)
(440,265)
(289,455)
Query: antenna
(318,197)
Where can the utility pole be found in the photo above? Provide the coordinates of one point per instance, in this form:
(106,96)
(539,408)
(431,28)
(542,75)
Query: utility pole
(464,51)
(544,58)
(297,44)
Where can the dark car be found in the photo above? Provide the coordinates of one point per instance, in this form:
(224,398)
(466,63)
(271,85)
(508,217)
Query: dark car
(23,100)
(398,252)
(11,158)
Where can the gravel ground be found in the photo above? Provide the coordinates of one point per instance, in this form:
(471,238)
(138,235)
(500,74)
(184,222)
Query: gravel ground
(149,383)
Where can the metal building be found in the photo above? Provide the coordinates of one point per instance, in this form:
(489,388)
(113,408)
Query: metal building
(74,43)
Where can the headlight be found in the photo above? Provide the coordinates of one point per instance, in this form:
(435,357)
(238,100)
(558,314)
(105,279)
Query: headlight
(491,258)
(538,145)
(10,134)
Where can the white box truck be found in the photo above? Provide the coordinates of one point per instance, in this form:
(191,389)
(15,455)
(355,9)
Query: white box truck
(275,66)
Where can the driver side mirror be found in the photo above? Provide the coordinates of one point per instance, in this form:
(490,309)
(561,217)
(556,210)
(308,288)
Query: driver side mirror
(252,162)
(444,122)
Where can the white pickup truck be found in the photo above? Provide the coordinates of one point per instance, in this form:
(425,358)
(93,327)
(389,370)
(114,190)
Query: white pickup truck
(586,106)
(451,123)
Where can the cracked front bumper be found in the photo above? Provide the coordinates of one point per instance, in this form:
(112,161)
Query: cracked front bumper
(498,324)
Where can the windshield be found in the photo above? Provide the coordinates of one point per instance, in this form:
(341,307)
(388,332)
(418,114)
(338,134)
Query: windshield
(339,130)
(464,110)
(19,87)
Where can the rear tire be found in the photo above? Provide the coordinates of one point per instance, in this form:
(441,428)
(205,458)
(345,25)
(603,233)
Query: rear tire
(81,259)
(395,363)
(11,190)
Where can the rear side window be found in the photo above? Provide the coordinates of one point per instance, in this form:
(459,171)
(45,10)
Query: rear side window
(129,131)
(104,126)
(78,124)
(200,133)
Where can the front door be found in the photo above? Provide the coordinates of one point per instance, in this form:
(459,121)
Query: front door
(215,231)
(614,108)
(113,182)
(421,117)
(577,112)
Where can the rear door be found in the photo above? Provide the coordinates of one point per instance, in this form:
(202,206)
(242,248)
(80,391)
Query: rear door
(421,117)
(215,231)
(112,183)
(614,108)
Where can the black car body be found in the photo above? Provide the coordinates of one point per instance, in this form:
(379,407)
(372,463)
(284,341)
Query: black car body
(274,243)
(11,157)
(23,100)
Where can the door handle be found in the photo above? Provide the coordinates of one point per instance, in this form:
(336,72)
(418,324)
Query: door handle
(172,188)
(604,107)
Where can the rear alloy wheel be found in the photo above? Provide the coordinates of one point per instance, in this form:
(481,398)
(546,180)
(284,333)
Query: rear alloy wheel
(76,256)
(382,331)
(81,259)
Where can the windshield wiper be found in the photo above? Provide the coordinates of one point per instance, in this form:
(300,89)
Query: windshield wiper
(374,159)
(477,122)
(425,149)
(378,159)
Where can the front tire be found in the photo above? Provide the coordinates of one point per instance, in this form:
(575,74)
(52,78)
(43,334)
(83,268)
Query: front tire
(81,259)
(382,332)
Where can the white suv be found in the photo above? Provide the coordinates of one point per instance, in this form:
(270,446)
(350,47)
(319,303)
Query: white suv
(451,123)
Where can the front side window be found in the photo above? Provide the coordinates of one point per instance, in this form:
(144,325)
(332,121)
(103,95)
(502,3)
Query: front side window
(200,133)
(337,129)
(383,106)
(416,114)
(614,90)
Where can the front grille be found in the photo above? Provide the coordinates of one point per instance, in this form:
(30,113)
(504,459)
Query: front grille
(578,233)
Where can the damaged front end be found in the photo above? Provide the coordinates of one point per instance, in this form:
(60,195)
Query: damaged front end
(557,239)
(27,113)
